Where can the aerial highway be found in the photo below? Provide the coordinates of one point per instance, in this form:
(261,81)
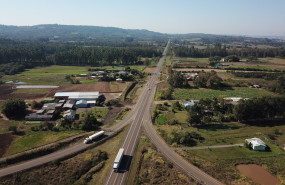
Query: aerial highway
(66,151)
(143,116)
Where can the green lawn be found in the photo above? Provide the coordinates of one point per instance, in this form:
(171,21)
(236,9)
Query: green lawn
(35,139)
(197,94)
(100,113)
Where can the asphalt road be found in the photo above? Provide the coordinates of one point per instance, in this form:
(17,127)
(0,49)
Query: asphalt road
(131,139)
(67,151)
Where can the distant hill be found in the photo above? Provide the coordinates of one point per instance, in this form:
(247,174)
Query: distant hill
(54,32)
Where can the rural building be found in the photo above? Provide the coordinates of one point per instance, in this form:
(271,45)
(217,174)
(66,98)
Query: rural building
(77,95)
(255,86)
(234,100)
(58,106)
(81,104)
(98,73)
(82,75)
(188,104)
(68,105)
(49,106)
(61,101)
(122,73)
(119,80)
(38,117)
(50,112)
(91,103)
(69,114)
(256,144)
(41,111)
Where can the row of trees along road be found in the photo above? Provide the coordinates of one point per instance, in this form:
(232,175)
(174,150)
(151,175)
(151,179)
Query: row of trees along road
(218,50)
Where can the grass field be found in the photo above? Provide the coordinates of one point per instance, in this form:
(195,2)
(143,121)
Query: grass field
(55,75)
(150,167)
(189,59)
(34,139)
(100,113)
(245,92)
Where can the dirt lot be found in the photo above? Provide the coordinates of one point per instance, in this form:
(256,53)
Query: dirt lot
(5,141)
(96,86)
(258,174)
(7,92)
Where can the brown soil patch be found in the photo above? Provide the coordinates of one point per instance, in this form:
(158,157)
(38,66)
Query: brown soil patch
(88,87)
(5,141)
(258,174)
(110,96)
(6,92)
(112,113)
(149,70)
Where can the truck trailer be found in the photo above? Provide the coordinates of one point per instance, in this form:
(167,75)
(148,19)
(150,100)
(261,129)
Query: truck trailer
(94,136)
(118,160)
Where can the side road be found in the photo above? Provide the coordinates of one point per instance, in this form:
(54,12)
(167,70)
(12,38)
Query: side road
(207,147)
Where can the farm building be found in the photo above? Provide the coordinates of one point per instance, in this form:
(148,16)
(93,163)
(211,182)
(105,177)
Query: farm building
(49,106)
(256,144)
(82,75)
(69,114)
(188,104)
(119,80)
(77,95)
(38,117)
(81,104)
(91,103)
(122,73)
(41,111)
(68,105)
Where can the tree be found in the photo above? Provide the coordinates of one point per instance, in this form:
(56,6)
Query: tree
(90,122)
(14,108)
(100,99)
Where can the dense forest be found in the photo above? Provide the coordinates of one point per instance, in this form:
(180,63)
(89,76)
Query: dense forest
(15,56)
(218,50)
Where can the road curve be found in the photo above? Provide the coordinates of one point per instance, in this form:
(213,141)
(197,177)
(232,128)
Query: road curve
(168,152)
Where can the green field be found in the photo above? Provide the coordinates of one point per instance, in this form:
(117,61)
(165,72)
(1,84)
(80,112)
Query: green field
(245,92)
(100,113)
(55,75)
(35,139)
(189,59)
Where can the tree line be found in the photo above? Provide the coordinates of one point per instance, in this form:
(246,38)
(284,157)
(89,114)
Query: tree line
(217,50)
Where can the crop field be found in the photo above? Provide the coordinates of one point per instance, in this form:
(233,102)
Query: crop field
(189,59)
(55,75)
(34,139)
(244,92)
(52,75)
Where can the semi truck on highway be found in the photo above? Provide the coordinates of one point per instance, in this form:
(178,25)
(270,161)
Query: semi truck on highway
(92,137)
(118,160)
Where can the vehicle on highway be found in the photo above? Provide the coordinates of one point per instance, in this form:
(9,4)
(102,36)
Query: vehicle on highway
(92,137)
(118,160)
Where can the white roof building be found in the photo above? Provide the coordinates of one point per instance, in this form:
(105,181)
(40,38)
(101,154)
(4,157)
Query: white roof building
(78,95)
(256,143)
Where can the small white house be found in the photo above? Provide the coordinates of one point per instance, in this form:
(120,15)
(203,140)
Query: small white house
(256,144)
(188,104)
(69,114)
(119,80)
(81,104)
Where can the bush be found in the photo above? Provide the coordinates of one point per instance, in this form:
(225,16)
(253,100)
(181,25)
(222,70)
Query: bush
(14,108)
(13,129)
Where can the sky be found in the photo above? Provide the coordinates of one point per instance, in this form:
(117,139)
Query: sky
(230,17)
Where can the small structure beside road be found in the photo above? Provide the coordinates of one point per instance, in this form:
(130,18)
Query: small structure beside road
(256,144)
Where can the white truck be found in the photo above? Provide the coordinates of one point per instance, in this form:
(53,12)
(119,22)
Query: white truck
(118,160)
(94,136)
